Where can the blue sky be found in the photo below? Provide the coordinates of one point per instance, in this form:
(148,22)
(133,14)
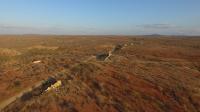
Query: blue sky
(125,17)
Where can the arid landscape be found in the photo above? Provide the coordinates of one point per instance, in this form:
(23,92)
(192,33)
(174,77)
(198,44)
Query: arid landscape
(152,73)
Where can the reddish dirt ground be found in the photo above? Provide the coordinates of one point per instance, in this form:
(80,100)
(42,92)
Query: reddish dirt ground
(149,74)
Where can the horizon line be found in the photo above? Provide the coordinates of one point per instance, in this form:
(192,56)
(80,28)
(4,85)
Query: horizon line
(95,35)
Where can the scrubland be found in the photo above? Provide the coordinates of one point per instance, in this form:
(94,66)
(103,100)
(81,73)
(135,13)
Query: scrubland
(146,74)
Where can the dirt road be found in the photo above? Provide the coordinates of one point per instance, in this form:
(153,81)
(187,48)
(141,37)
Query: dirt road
(12,99)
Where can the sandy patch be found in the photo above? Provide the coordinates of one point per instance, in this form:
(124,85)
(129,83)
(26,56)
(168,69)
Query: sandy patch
(9,52)
(43,47)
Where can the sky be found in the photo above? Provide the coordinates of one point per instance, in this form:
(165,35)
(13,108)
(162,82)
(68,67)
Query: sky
(100,17)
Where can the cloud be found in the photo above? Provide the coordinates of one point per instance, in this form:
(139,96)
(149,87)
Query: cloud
(11,29)
(157,26)
(164,29)
(167,29)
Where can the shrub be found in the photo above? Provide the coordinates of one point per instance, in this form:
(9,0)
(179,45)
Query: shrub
(69,106)
(17,83)
(102,56)
(26,96)
(117,48)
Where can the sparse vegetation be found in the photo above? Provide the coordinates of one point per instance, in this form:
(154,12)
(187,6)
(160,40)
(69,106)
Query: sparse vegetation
(102,56)
(17,83)
(151,74)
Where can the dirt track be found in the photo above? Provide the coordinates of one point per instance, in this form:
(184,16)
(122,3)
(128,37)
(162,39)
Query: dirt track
(12,99)
(160,75)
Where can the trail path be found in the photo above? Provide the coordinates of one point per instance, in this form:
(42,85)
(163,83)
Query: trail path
(13,98)
(5,103)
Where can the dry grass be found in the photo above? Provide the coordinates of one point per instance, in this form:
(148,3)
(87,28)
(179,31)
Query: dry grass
(8,52)
(151,74)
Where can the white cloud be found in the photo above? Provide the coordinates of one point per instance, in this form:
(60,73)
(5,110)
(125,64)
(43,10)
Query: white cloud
(165,29)
(157,26)
(9,29)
